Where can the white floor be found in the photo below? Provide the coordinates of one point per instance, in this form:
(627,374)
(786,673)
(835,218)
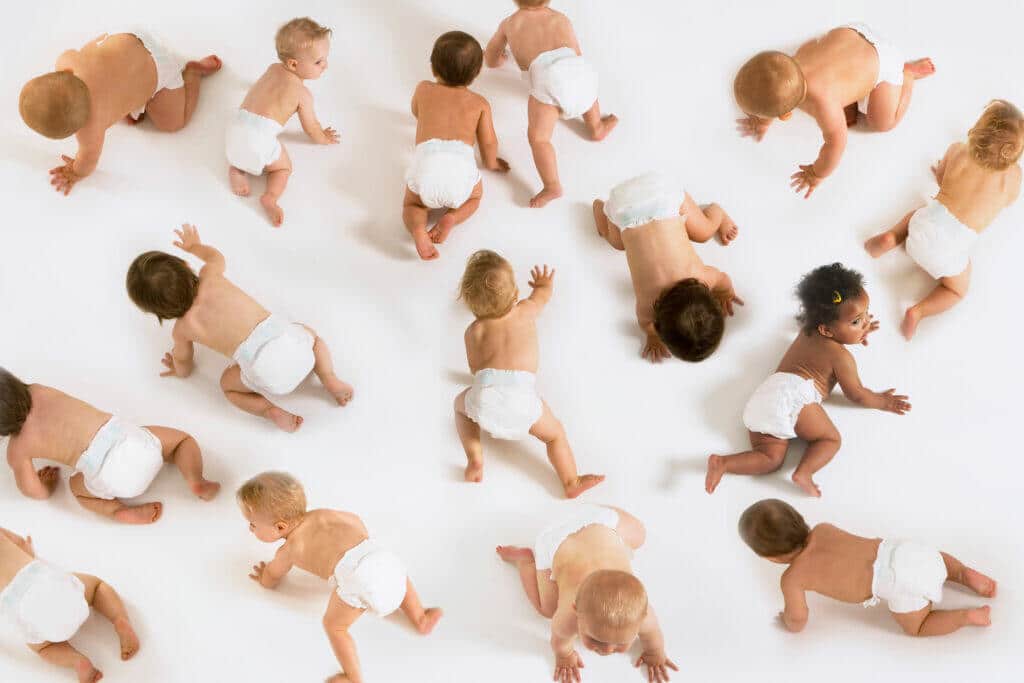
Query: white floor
(948,473)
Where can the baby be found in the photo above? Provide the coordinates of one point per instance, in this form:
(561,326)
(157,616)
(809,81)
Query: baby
(681,304)
(335,546)
(48,606)
(976,180)
(578,575)
(827,560)
(450,119)
(787,405)
(113,459)
(272,356)
(501,347)
(562,82)
(252,144)
(116,76)
(851,68)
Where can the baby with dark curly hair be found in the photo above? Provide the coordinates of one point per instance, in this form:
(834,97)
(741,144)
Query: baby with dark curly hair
(787,405)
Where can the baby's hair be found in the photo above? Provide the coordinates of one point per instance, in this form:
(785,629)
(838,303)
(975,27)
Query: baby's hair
(278,495)
(689,319)
(488,285)
(55,104)
(296,35)
(612,599)
(15,403)
(769,85)
(822,291)
(997,139)
(457,58)
(773,528)
(532,3)
(162,284)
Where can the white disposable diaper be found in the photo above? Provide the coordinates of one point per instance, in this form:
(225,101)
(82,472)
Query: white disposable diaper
(369,577)
(443,173)
(776,404)
(276,357)
(251,143)
(582,515)
(121,461)
(938,241)
(504,402)
(890,60)
(564,79)
(169,66)
(907,575)
(45,604)
(640,200)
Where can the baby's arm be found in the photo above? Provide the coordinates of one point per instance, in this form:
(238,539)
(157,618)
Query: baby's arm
(542,282)
(38,485)
(179,362)
(188,240)
(310,124)
(488,141)
(90,146)
(794,616)
(269,575)
(563,632)
(654,349)
(495,55)
(23,543)
(849,382)
(653,643)
(722,289)
(832,121)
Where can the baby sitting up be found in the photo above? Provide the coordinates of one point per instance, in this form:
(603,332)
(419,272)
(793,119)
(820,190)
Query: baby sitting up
(787,405)
(501,347)
(116,76)
(450,119)
(562,83)
(909,576)
(976,181)
(48,606)
(850,68)
(578,575)
(251,143)
(335,546)
(272,355)
(681,304)
(113,459)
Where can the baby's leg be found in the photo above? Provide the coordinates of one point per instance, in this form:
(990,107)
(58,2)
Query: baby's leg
(469,435)
(766,454)
(64,655)
(107,602)
(182,450)
(549,430)
(891,238)
(949,292)
(599,126)
(170,110)
(888,103)
(323,368)
(958,572)
(630,529)
(277,179)
(540,590)
(423,619)
(239,181)
(255,404)
(147,513)
(543,118)
(703,222)
(823,441)
(414,215)
(929,622)
(605,228)
(337,620)
(454,217)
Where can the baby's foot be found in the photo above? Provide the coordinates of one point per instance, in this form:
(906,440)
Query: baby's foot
(283,419)
(205,489)
(880,243)
(274,212)
(205,66)
(910,321)
(606,126)
(919,68)
(546,195)
(439,233)
(727,231)
(583,483)
(425,247)
(139,514)
(805,482)
(239,181)
(475,472)
(87,673)
(339,678)
(429,620)
(341,391)
(514,554)
(979,616)
(132,121)
(126,634)
(599,217)
(979,583)
(716,470)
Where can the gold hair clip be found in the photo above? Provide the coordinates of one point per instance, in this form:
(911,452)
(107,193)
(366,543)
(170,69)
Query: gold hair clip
(837,298)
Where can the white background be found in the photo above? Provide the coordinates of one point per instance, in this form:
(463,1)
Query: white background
(948,473)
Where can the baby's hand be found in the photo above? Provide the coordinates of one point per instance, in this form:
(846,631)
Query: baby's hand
(26,545)
(654,349)
(188,238)
(541,277)
(726,298)
(49,476)
(567,668)
(753,127)
(936,171)
(500,166)
(872,327)
(257,572)
(895,403)
(805,179)
(657,666)
(168,362)
(64,177)
(331,136)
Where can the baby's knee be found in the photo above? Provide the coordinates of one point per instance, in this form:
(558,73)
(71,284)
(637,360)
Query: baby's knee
(229,379)
(77,485)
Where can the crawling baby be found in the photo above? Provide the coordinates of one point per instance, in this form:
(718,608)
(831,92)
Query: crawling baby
(578,575)
(335,546)
(117,76)
(252,141)
(272,355)
(47,606)
(112,458)
(908,575)
(681,303)
(849,69)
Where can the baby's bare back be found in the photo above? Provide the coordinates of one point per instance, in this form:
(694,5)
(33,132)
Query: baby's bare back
(506,343)
(12,559)
(447,113)
(812,357)
(840,68)
(322,538)
(59,427)
(275,95)
(972,193)
(659,254)
(588,550)
(533,32)
(222,315)
(836,564)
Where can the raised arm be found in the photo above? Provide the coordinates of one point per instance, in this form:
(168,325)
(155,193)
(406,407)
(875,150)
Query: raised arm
(794,616)
(270,575)
(37,485)
(90,146)
(310,124)
(495,55)
(653,643)
(849,382)
(542,282)
(188,240)
(833,129)
(488,141)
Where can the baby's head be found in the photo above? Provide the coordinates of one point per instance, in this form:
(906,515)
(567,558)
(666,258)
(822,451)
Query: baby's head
(162,284)
(55,105)
(997,139)
(834,304)
(302,46)
(689,319)
(774,530)
(488,285)
(610,606)
(457,59)
(15,403)
(770,85)
(273,502)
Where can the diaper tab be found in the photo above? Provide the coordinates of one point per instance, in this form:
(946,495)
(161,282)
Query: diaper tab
(269,329)
(109,435)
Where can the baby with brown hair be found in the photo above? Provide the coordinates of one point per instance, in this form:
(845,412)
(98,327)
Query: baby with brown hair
(578,574)
(112,458)
(272,356)
(335,546)
(501,347)
(117,76)
(908,575)
(450,119)
(977,180)
(847,70)
(562,82)
(252,144)
(681,303)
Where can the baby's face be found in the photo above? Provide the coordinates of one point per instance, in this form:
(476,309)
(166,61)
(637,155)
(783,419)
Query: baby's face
(854,320)
(605,641)
(263,528)
(311,62)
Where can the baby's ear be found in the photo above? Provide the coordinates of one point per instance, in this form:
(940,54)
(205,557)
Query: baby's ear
(825,331)
(281,526)
(291,63)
